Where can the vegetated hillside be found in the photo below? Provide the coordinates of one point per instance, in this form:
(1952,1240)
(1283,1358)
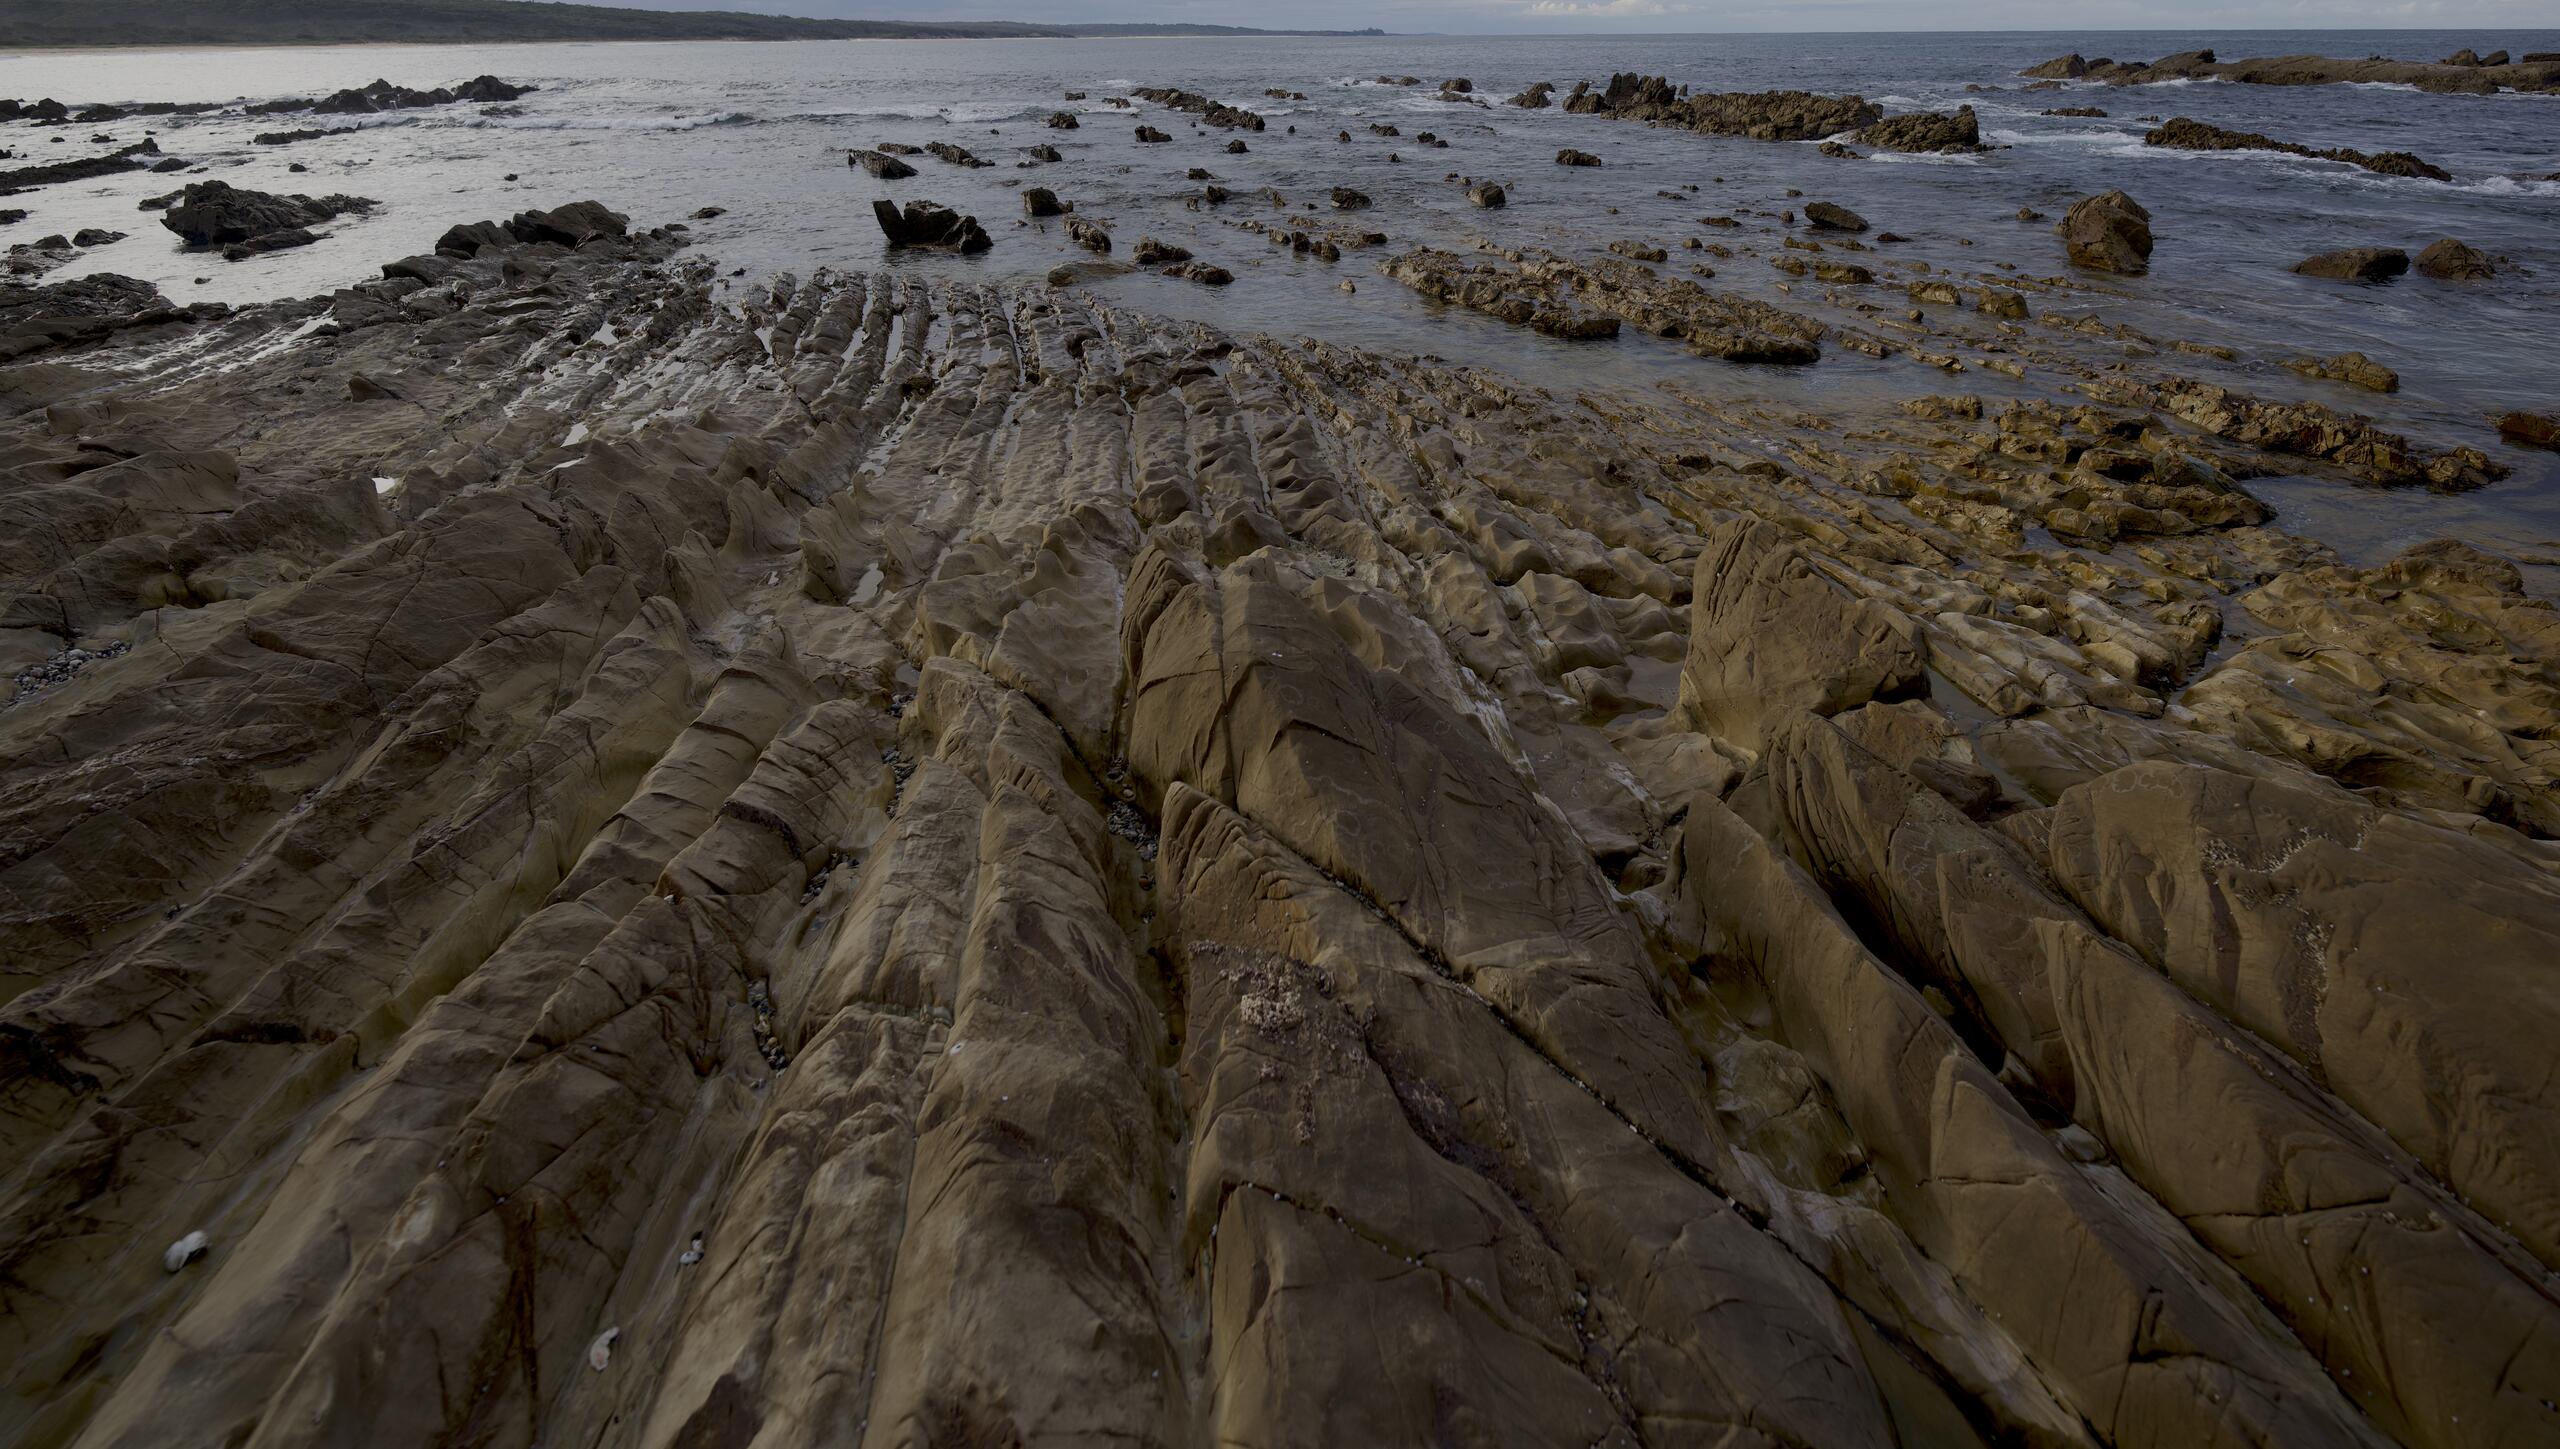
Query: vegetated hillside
(324,22)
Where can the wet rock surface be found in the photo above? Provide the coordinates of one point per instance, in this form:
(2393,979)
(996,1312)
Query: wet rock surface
(215,215)
(926,224)
(1928,131)
(880,164)
(2356,264)
(2185,135)
(597,858)
(2533,73)
(2108,233)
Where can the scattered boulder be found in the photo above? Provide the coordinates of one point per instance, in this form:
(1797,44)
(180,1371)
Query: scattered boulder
(1536,98)
(2449,260)
(1202,272)
(1829,217)
(1089,236)
(1063,121)
(1571,157)
(1150,136)
(95,237)
(2356,264)
(1346,199)
(1488,195)
(1041,201)
(1152,253)
(2530,430)
(924,224)
(880,164)
(2109,232)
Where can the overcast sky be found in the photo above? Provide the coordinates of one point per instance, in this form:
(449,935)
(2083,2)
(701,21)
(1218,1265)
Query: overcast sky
(1554,16)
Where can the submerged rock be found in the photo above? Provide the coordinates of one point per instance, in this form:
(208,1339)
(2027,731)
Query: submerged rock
(2450,260)
(2530,430)
(2356,264)
(2352,368)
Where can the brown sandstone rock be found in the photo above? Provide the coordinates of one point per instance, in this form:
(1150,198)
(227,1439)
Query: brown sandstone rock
(881,856)
(1770,637)
(2356,264)
(2108,233)
(2449,260)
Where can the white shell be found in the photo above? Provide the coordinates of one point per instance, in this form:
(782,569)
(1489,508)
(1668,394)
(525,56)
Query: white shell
(185,1250)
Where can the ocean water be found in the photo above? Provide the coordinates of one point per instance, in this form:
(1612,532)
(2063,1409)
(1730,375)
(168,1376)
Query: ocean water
(659,130)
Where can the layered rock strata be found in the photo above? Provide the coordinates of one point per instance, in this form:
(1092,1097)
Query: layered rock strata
(895,862)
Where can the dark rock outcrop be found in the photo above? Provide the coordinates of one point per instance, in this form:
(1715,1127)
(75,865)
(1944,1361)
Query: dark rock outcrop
(1925,131)
(2182,134)
(925,224)
(216,214)
(2356,264)
(124,158)
(880,164)
(1763,115)
(1830,217)
(2450,260)
(1216,113)
(2110,232)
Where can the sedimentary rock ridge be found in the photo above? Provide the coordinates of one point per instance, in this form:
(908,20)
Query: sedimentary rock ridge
(2182,134)
(2534,73)
(592,860)
(1763,116)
